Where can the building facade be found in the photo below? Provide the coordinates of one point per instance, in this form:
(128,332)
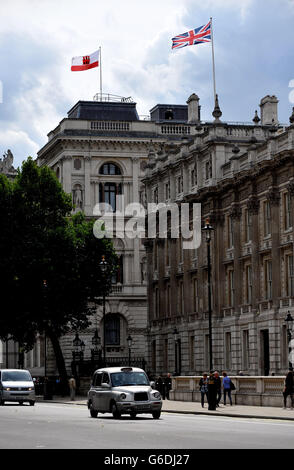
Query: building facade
(243,177)
(99,151)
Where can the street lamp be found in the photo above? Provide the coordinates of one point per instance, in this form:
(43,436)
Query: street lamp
(45,287)
(208,229)
(176,336)
(130,341)
(289,322)
(104,267)
(79,347)
(96,341)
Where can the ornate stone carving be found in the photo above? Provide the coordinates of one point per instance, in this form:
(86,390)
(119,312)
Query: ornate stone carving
(235,211)
(273,197)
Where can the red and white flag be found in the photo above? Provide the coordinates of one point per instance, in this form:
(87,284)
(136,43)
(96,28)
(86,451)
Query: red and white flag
(85,62)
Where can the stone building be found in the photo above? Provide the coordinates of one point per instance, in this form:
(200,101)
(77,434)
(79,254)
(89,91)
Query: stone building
(100,151)
(243,177)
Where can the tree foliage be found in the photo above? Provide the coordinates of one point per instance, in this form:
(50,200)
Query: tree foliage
(50,276)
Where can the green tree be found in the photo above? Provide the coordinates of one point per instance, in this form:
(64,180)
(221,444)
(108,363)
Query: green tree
(53,282)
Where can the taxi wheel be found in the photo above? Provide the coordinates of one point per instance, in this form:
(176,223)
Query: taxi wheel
(115,413)
(156,414)
(21,403)
(133,414)
(32,403)
(2,402)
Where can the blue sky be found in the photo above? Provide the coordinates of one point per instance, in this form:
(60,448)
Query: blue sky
(253,53)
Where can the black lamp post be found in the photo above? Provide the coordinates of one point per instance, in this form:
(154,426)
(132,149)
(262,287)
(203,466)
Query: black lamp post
(45,287)
(79,347)
(129,340)
(96,341)
(176,336)
(289,322)
(208,229)
(103,267)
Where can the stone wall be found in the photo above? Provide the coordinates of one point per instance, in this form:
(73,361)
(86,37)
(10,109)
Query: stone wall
(250,390)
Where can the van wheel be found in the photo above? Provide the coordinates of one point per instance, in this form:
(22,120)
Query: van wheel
(32,403)
(115,413)
(21,403)
(133,414)
(156,414)
(2,402)
(93,413)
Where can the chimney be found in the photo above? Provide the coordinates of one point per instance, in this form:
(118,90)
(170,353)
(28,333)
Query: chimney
(269,110)
(193,109)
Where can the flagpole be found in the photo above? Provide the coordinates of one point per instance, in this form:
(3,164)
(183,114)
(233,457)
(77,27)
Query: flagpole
(213,64)
(100,66)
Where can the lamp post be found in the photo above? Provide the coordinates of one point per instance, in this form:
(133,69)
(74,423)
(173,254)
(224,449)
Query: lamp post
(208,229)
(289,323)
(96,341)
(45,287)
(129,340)
(103,267)
(176,333)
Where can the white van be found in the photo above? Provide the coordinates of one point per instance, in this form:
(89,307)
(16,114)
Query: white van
(16,385)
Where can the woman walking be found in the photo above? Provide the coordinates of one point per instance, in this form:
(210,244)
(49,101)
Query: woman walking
(227,387)
(203,386)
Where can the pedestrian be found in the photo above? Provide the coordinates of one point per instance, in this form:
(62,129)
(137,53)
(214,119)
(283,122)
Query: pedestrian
(72,387)
(158,384)
(218,384)
(168,385)
(289,389)
(203,387)
(227,388)
(212,391)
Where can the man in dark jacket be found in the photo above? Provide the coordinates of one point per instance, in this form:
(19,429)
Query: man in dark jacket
(218,384)
(168,385)
(212,391)
(289,389)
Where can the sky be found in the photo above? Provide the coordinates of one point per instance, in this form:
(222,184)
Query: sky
(253,46)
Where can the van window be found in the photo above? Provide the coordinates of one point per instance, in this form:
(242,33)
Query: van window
(16,376)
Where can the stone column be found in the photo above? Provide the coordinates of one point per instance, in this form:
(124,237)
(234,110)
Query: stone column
(274,200)
(87,206)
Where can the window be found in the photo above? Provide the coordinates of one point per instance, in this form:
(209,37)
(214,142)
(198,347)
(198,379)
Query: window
(248,285)
(167,191)
(97,380)
(181,297)
(168,304)
(112,330)
(195,296)
(77,164)
(230,278)
(108,193)
(110,169)
(156,302)
(179,184)
(118,276)
(228,347)
(105,378)
(191,352)
(245,349)
(289,276)
(266,219)
(248,226)
(208,170)
(193,177)
(287,211)
(268,279)
(230,226)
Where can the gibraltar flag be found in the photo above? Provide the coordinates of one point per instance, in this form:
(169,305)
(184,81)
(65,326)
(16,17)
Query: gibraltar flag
(85,62)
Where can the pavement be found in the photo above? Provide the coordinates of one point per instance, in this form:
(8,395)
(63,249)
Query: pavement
(185,407)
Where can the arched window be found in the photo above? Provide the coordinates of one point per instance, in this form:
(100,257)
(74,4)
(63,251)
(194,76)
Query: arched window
(110,169)
(118,275)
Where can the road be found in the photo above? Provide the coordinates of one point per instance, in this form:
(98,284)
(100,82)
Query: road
(59,426)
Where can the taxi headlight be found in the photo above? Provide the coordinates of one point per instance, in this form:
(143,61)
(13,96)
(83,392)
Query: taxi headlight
(122,396)
(157,395)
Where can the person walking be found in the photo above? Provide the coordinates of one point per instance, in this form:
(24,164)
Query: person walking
(218,384)
(289,389)
(203,387)
(227,388)
(168,385)
(212,391)
(72,388)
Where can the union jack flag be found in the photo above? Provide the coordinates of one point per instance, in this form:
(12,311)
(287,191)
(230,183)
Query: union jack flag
(195,36)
